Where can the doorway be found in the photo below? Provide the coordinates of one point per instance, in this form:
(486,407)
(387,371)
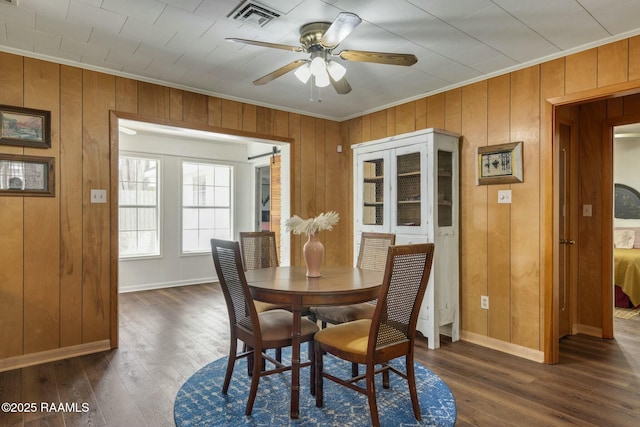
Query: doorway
(180,258)
(583,291)
(270,194)
(263,198)
(626,218)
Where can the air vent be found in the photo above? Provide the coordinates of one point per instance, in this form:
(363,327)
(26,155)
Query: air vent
(13,2)
(254,13)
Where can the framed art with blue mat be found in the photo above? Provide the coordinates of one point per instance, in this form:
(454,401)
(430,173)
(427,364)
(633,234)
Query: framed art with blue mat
(200,401)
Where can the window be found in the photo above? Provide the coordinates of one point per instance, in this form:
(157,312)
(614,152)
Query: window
(206,205)
(139,234)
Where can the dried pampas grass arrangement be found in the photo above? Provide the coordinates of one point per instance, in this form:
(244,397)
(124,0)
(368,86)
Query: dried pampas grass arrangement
(324,221)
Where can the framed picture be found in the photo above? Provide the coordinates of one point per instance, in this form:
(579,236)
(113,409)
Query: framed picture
(25,126)
(500,164)
(26,175)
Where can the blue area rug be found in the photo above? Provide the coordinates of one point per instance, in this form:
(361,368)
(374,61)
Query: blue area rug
(200,401)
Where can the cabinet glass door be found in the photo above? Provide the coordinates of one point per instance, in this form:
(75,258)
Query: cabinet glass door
(445,188)
(408,209)
(373,192)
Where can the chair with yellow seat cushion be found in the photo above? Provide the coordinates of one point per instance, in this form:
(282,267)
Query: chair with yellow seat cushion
(259,331)
(372,256)
(388,335)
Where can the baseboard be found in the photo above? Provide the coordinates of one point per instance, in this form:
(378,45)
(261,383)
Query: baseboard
(31,359)
(502,346)
(592,331)
(162,285)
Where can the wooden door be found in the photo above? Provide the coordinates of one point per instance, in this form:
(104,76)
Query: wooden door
(567,227)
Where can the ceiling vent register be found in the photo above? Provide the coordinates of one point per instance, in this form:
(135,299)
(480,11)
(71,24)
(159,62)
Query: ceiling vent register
(12,2)
(254,13)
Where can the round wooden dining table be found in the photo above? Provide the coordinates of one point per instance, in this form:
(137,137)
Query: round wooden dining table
(291,286)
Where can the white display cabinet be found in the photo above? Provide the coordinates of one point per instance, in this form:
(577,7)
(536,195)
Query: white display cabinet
(409,185)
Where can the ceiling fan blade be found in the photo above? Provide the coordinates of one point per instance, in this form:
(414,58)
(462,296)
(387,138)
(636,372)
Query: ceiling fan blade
(379,57)
(341,27)
(267,44)
(279,72)
(341,86)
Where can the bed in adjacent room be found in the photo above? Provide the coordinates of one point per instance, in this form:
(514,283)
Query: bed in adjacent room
(626,243)
(626,260)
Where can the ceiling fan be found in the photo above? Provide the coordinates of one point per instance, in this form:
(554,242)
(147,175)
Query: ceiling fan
(320,39)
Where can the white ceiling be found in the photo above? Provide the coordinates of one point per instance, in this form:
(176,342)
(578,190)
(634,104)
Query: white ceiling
(180,43)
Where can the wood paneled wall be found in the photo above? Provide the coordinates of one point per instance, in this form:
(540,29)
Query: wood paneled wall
(56,256)
(505,248)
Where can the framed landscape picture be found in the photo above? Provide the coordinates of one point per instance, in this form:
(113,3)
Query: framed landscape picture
(25,127)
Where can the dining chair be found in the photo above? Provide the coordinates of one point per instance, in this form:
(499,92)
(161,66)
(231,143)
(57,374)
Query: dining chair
(372,256)
(388,335)
(259,331)
(259,251)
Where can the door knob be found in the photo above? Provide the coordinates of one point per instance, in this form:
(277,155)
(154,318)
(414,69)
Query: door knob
(567,242)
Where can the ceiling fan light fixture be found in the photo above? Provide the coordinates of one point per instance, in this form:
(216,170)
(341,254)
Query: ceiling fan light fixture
(318,66)
(336,70)
(303,73)
(322,79)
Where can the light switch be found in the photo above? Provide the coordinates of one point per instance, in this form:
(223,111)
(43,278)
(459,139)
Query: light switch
(504,196)
(587,210)
(98,196)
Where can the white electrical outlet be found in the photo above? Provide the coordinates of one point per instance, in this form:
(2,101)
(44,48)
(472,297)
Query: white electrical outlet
(484,302)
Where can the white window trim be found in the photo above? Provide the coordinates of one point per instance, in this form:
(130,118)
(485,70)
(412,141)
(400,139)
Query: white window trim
(141,155)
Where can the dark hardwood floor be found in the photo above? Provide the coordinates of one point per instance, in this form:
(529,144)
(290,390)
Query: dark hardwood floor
(166,335)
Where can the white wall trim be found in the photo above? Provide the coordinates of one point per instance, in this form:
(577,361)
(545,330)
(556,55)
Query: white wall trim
(162,285)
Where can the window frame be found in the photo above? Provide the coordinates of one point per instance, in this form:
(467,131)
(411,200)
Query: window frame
(212,162)
(159,206)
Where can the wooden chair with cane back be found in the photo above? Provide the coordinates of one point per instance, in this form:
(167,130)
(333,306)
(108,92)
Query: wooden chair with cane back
(389,334)
(372,256)
(259,250)
(259,331)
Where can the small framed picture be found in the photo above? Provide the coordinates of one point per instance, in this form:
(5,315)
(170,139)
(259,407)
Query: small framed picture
(500,164)
(26,175)
(25,127)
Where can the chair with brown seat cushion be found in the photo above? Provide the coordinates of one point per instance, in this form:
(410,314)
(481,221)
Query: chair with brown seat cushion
(259,331)
(372,256)
(388,335)
(259,251)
